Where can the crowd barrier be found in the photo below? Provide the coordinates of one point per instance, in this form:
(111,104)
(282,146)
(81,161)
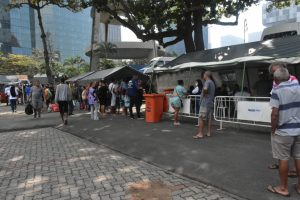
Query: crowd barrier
(254,111)
(190,106)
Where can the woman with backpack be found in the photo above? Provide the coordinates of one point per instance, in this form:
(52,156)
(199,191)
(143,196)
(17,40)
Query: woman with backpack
(12,94)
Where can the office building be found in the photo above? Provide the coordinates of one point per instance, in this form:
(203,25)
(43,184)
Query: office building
(17,32)
(68,33)
(277,16)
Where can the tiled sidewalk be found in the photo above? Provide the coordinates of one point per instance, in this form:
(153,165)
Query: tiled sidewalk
(51,164)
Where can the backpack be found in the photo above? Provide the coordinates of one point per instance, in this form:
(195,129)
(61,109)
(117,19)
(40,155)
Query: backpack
(29,109)
(13,92)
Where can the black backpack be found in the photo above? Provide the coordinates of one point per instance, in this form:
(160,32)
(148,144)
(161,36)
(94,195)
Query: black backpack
(13,91)
(29,109)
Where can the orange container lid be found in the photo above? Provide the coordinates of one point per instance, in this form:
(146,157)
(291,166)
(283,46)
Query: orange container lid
(153,95)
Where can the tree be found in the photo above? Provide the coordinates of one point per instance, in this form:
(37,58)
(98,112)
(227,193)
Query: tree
(18,64)
(177,19)
(38,5)
(106,48)
(74,66)
(106,64)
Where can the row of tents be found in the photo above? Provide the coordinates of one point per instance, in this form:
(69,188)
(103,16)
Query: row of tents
(117,73)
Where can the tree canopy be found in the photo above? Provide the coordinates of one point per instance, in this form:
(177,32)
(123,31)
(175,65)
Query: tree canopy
(18,64)
(176,19)
(281,3)
(38,5)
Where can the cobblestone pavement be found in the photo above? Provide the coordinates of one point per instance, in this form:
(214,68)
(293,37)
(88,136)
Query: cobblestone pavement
(51,164)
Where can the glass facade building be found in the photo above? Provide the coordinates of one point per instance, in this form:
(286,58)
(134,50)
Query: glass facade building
(68,33)
(277,16)
(17,33)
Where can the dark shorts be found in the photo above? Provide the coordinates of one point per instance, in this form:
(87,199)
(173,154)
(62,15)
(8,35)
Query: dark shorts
(63,106)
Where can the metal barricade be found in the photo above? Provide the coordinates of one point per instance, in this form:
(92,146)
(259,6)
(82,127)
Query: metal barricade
(242,110)
(191,106)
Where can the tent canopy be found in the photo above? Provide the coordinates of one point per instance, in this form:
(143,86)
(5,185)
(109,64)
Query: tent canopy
(280,49)
(114,73)
(79,77)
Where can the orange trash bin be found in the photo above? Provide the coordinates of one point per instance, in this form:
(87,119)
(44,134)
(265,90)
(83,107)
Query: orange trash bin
(154,107)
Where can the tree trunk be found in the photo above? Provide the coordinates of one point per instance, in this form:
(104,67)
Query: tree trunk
(46,53)
(188,34)
(198,30)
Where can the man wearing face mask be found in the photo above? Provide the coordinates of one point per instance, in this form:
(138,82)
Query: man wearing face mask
(197,91)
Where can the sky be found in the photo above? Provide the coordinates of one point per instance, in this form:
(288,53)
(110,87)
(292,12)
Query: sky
(225,35)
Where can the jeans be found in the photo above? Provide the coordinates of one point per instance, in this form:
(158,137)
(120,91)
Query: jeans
(13,104)
(133,101)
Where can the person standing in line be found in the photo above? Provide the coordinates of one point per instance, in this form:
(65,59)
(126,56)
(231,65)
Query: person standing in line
(132,94)
(293,80)
(176,101)
(36,97)
(47,96)
(139,97)
(206,106)
(124,97)
(92,98)
(102,96)
(12,94)
(62,96)
(285,129)
(84,97)
(197,91)
(113,90)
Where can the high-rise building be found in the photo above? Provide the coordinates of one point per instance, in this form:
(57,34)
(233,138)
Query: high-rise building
(68,33)
(277,16)
(17,32)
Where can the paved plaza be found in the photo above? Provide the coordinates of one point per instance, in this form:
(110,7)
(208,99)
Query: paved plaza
(50,164)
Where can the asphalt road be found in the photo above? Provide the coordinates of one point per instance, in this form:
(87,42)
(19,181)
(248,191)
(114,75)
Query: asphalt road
(234,160)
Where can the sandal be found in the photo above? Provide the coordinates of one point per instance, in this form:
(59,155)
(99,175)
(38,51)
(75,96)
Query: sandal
(273,166)
(297,190)
(274,191)
(197,137)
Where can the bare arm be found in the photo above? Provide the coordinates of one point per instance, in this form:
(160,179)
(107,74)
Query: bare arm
(274,119)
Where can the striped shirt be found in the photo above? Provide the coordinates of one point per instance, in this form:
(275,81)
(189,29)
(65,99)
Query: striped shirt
(286,97)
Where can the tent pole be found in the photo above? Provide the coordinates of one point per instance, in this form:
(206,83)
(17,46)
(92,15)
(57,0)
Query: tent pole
(243,79)
(190,77)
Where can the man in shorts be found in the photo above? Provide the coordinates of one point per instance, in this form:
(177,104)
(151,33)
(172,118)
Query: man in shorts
(206,105)
(285,122)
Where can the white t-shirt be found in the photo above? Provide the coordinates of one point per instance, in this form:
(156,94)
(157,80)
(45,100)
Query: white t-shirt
(9,94)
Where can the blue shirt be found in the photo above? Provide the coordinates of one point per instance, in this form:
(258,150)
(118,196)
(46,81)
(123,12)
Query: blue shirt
(28,90)
(132,88)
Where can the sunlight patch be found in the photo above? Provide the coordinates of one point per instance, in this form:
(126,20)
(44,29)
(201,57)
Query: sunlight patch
(127,169)
(14,159)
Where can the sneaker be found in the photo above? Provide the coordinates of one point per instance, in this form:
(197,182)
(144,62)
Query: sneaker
(176,123)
